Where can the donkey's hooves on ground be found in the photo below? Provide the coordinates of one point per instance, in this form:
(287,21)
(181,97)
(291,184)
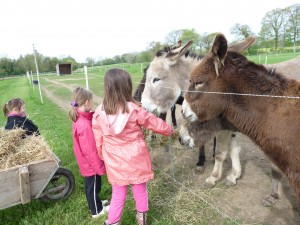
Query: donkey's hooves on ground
(269,201)
(200,169)
(208,185)
(229,183)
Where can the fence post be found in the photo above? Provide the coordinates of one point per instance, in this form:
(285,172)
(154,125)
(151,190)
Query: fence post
(86,77)
(37,73)
(27,74)
(266,60)
(32,80)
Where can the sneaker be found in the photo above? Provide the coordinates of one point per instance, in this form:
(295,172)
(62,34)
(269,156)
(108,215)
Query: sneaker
(116,223)
(104,202)
(104,210)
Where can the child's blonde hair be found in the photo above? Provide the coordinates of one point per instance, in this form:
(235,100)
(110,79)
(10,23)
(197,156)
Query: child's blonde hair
(79,98)
(117,91)
(11,104)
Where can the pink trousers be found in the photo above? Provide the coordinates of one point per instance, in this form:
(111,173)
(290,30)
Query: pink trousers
(118,199)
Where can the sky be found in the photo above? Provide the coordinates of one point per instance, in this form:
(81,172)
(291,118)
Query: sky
(104,28)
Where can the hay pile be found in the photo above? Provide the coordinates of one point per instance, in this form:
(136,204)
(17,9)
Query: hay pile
(15,150)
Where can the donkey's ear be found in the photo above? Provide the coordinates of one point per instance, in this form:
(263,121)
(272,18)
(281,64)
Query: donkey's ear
(177,45)
(219,50)
(175,54)
(242,46)
(219,47)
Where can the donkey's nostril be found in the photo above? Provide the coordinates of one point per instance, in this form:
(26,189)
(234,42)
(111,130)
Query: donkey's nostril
(179,139)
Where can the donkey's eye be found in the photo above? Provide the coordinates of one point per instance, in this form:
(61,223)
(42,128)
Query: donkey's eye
(199,84)
(155,80)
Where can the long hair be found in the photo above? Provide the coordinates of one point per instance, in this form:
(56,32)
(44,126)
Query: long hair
(11,104)
(79,98)
(117,91)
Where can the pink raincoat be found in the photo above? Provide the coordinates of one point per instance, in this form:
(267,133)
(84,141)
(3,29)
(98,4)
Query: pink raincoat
(120,143)
(85,149)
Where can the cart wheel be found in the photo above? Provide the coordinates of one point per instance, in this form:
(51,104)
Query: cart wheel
(60,186)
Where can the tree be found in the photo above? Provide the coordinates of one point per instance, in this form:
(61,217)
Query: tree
(173,37)
(71,60)
(90,61)
(272,25)
(191,35)
(241,31)
(144,56)
(206,41)
(293,25)
(154,47)
(6,66)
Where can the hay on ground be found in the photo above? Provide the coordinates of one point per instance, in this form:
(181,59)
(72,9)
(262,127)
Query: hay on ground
(16,150)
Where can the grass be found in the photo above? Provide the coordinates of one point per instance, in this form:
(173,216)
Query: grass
(273,58)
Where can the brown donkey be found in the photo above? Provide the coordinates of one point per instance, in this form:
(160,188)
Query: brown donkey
(259,102)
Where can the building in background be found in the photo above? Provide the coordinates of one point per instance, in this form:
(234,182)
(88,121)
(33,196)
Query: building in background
(63,69)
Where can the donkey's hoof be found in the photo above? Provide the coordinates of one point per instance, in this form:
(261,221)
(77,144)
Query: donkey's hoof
(208,185)
(229,183)
(200,169)
(269,201)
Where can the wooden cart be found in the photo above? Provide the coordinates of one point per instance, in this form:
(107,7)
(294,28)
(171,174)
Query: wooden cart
(44,179)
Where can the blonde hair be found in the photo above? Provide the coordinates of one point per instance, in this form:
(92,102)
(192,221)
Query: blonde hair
(117,91)
(79,97)
(11,104)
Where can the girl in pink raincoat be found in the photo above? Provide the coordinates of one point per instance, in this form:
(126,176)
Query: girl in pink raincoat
(90,165)
(120,143)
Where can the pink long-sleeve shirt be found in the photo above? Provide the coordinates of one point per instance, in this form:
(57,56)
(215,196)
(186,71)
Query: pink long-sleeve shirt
(85,149)
(120,143)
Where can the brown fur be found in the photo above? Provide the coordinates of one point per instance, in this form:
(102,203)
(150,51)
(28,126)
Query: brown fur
(272,123)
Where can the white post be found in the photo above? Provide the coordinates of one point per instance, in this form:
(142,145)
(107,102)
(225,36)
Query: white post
(86,77)
(37,73)
(27,74)
(266,61)
(32,80)
(259,58)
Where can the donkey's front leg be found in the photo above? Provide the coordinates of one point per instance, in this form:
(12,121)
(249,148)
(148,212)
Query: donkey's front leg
(201,160)
(217,171)
(235,149)
(276,187)
(224,138)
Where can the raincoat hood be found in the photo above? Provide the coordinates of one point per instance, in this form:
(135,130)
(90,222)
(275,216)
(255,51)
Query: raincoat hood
(115,124)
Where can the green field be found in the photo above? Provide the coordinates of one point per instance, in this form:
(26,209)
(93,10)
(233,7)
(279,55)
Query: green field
(273,58)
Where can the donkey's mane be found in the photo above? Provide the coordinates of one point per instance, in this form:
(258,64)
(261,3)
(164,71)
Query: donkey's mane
(163,51)
(257,75)
(168,49)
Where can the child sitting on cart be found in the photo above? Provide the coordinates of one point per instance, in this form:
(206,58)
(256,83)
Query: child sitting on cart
(14,111)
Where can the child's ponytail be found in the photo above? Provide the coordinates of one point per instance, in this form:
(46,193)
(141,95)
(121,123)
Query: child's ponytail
(5,109)
(73,113)
(79,97)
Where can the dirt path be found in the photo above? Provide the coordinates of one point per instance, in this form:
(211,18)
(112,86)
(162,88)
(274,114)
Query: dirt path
(242,202)
(97,99)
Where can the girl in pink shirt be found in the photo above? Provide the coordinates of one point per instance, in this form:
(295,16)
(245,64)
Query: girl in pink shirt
(120,143)
(90,165)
